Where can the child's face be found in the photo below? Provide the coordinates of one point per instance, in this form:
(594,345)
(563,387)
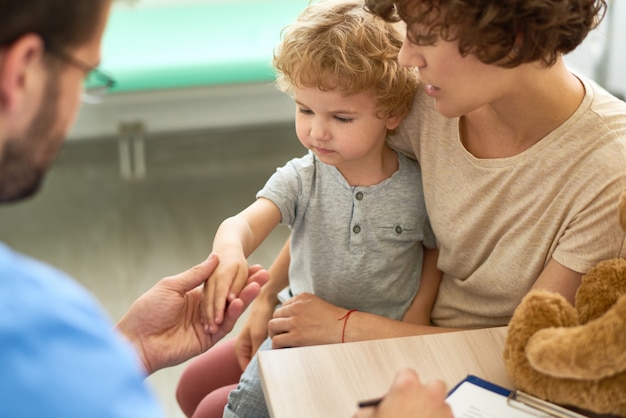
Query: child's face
(340,129)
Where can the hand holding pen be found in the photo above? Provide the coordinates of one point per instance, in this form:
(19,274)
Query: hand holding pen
(408,397)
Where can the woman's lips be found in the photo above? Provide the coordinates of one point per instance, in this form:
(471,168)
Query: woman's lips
(431,90)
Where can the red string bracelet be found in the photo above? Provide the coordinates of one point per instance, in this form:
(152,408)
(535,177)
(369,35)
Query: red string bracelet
(345,322)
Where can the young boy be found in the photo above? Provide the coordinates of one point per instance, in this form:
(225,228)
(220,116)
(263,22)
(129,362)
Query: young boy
(355,207)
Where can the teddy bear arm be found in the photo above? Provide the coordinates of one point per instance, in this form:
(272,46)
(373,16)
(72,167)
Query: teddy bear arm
(594,350)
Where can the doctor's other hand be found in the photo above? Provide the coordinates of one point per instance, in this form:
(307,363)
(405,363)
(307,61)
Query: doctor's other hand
(408,398)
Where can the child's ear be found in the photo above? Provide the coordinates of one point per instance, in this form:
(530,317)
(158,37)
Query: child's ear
(393,122)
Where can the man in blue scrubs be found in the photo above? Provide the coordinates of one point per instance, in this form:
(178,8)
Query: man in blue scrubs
(60,356)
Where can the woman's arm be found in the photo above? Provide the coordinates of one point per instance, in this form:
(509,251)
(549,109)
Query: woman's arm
(422,305)
(306,319)
(254,331)
(557,278)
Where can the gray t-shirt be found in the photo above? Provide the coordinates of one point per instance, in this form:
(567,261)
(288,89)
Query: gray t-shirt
(354,247)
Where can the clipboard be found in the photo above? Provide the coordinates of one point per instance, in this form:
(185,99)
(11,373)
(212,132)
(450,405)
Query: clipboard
(517,398)
(476,397)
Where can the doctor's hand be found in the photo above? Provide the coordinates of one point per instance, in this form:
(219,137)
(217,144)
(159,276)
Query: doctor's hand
(409,398)
(165,324)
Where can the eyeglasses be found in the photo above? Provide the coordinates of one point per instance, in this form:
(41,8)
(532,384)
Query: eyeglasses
(97,84)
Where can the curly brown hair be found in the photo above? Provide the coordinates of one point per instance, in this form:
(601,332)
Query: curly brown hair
(339,46)
(502,32)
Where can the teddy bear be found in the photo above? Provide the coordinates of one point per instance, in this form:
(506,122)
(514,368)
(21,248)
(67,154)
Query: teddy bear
(574,355)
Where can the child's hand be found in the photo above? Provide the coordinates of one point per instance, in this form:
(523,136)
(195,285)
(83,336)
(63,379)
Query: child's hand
(223,286)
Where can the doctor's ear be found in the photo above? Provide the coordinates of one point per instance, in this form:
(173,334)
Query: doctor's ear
(20,70)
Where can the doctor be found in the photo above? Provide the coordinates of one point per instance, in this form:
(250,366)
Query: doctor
(59,354)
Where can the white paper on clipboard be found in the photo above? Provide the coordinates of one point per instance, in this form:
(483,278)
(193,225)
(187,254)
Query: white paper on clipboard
(474,397)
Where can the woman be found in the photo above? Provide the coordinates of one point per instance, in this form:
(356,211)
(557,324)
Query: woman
(497,71)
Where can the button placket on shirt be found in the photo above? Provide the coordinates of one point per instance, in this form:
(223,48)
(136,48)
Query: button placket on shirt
(356,236)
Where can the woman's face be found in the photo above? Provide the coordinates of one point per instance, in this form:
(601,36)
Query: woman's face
(458,84)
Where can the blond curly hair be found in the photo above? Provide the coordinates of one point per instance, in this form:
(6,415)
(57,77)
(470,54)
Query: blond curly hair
(339,46)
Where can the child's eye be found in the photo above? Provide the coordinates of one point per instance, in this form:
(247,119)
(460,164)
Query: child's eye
(344,120)
(305,111)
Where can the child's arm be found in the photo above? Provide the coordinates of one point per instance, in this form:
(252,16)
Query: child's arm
(236,238)
(422,305)
(254,330)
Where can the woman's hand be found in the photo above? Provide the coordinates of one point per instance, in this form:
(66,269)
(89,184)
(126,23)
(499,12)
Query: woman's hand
(254,331)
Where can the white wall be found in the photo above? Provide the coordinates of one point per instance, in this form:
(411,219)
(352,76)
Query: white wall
(153,3)
(601,56)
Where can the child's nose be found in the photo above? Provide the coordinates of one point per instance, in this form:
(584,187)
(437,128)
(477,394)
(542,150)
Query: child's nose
(319,131)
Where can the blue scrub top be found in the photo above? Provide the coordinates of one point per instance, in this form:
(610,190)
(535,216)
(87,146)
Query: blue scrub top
(59,353)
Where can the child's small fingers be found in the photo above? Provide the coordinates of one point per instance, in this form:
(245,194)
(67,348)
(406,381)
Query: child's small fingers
(209,297)
(241,279)
(203,311)
(220,302)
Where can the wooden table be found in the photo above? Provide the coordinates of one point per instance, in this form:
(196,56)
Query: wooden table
(328,380)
